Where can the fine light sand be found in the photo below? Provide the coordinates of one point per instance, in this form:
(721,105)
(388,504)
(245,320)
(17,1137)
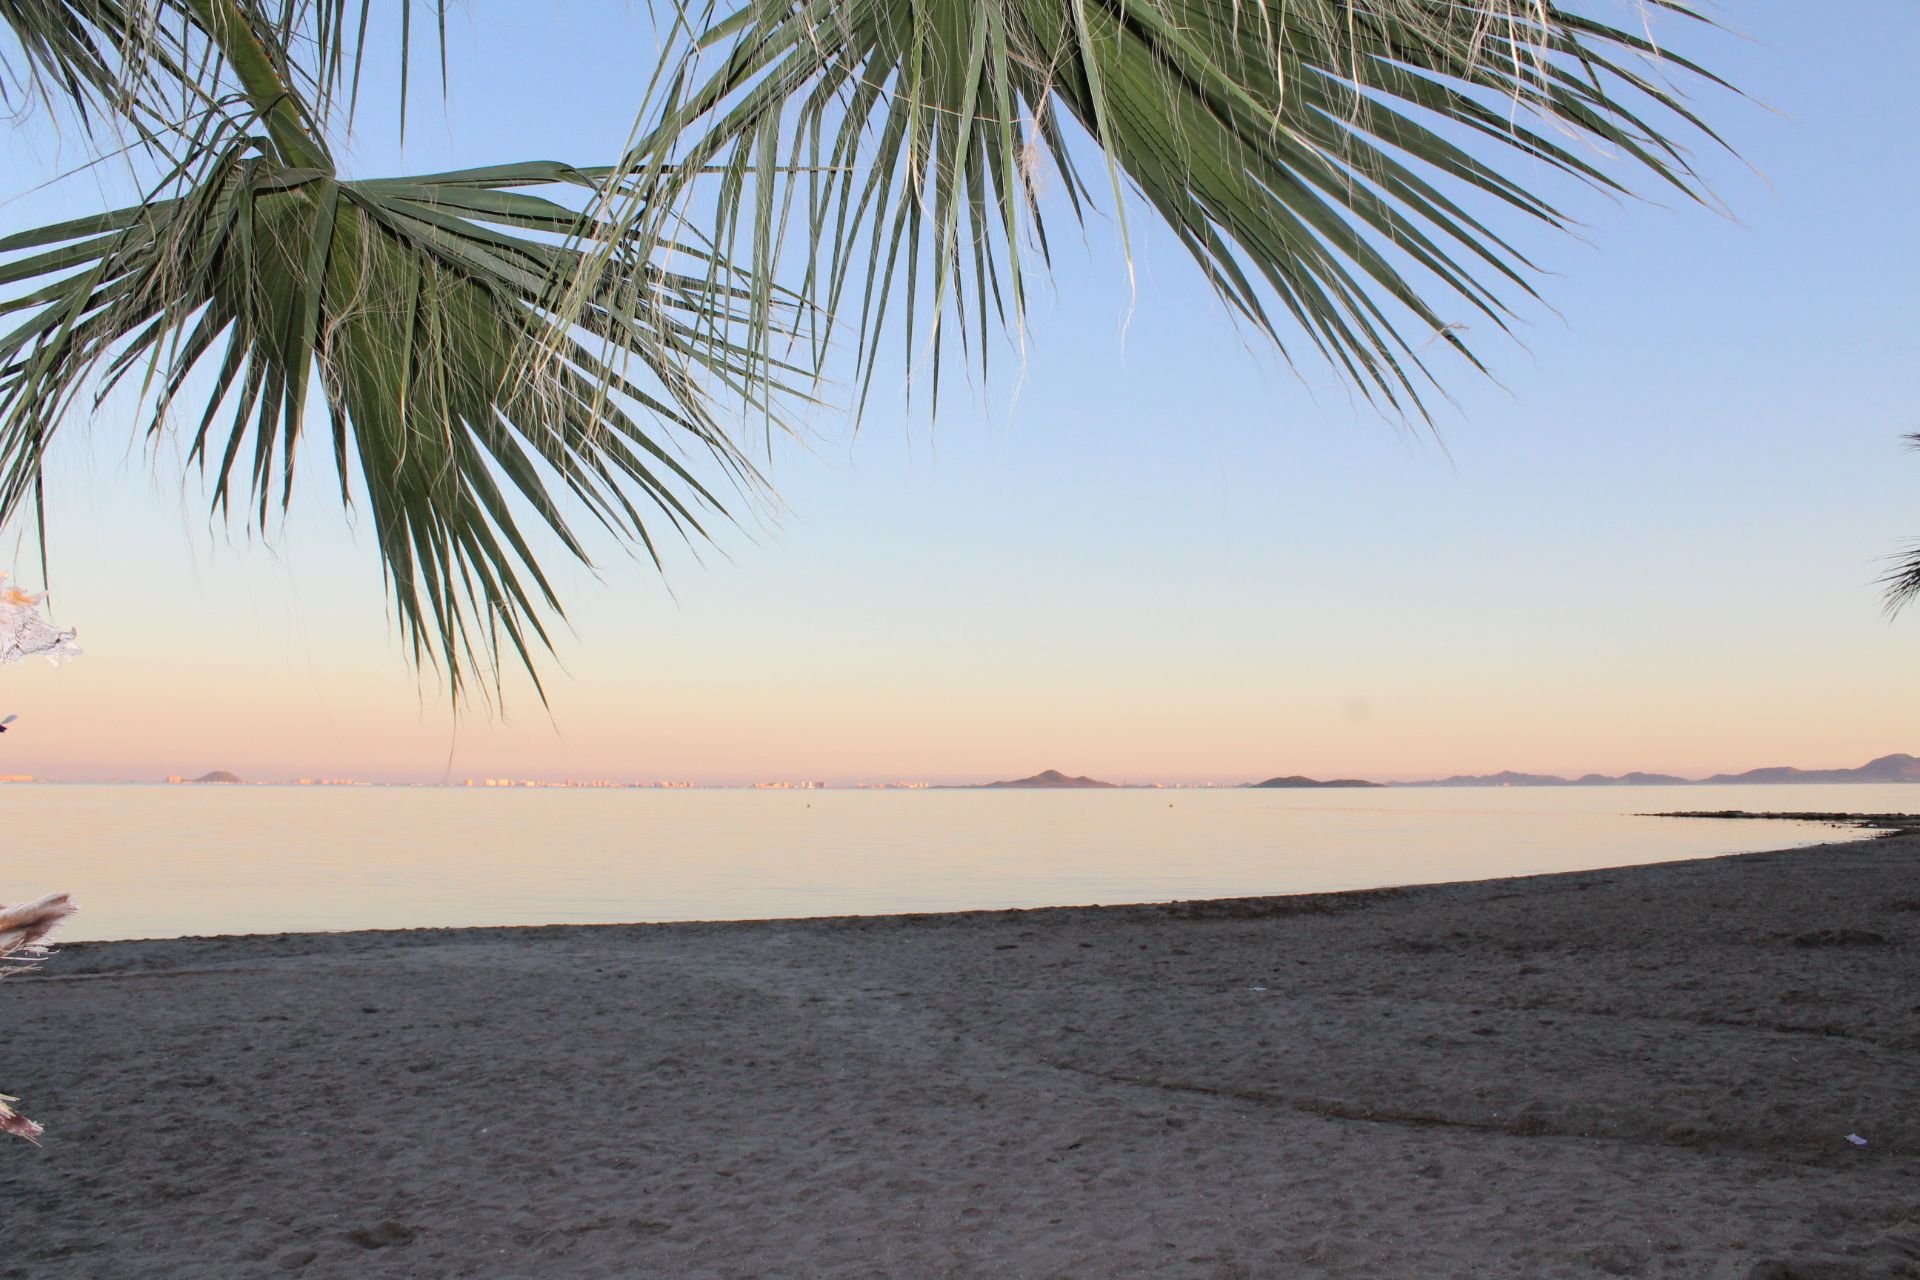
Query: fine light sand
(1635,1072)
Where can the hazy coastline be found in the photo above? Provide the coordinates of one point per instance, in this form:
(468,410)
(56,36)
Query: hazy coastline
(1895,769)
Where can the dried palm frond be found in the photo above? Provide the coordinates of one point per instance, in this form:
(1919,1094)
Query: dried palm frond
(24,633)
(13,1122)
(24,928)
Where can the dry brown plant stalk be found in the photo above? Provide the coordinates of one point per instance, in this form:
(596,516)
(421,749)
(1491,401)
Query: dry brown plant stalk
(24,929)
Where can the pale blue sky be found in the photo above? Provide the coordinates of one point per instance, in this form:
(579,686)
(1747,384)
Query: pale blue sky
(1653,545)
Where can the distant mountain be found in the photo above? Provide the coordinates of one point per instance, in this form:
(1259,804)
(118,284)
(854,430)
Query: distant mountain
(1052,778)
(1297,781)
(1893,768)
(218,775)
(1631,780)
(1506,779)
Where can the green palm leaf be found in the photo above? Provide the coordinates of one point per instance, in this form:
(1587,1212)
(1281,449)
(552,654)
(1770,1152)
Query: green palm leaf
(419,315)
(488,360)
(1319,159)
(420,308)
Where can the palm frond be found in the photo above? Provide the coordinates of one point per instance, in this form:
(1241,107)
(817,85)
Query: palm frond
(92,56)
(153,64)
(421,310)
(1321,160)
(319,47)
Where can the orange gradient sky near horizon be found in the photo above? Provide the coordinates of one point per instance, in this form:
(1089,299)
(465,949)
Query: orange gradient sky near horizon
(782,662)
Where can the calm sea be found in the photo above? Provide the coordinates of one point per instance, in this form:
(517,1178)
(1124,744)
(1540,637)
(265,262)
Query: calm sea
(155,862)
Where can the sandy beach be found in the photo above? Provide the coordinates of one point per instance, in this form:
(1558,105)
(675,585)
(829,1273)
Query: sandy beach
(1643,1072)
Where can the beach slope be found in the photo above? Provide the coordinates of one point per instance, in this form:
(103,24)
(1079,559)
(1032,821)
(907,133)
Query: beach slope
(1649,1072)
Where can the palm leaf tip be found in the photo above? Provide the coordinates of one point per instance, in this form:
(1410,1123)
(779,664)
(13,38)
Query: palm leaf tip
(1902,582)
(63,51)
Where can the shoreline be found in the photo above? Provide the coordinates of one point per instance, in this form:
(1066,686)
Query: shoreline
(1867,827)
(1312,902)
(1864,821)
(1644,1070)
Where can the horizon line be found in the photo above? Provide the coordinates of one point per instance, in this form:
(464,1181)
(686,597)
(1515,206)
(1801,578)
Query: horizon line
(803,783)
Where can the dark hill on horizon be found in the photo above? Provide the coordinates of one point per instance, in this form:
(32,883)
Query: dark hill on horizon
(1296,780)
(218,775)
(1050,778)
(1893,768)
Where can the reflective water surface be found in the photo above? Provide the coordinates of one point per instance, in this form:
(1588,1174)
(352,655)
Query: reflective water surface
(157,861)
